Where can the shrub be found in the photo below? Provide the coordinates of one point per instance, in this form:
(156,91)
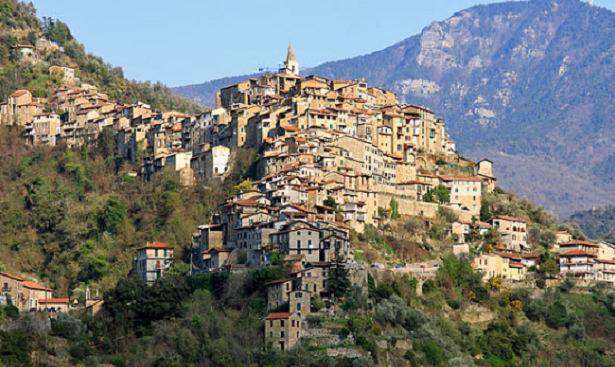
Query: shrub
(535,309)
(363,362)
(433,353)
(541,283)
(453,303)
(396,312)
(557,315)
(567,285)
(66,326)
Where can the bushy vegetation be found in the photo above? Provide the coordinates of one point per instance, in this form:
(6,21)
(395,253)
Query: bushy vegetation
(68,217)
(598,223)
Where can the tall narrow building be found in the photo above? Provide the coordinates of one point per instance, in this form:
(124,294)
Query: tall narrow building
(291,65)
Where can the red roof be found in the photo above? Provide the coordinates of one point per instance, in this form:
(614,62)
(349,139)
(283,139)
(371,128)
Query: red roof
(156,245)
(33,285)
(576,253)
(605,261)
(278,315)
(54,300)
(579,242)
(11,276)
(290,128)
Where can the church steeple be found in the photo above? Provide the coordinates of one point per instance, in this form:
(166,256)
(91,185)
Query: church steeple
(291,53)
(291,65)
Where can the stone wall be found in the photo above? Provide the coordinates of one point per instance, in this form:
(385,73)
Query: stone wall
(410,206)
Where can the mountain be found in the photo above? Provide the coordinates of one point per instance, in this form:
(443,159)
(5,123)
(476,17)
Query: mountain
(597,223)
(529,85)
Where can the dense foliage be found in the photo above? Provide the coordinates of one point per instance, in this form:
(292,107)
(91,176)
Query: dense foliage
(597,223)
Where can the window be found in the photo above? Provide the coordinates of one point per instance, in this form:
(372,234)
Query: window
(281,334)
(282,324)
(293,323)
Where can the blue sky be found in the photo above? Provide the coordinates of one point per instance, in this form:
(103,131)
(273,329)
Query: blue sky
(183,42)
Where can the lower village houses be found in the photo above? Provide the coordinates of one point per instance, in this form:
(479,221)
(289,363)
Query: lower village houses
(332,154)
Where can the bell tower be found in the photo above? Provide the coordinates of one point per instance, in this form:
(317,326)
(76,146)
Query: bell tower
(291,65)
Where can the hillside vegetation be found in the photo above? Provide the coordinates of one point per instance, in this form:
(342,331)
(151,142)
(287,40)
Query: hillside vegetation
(597,223)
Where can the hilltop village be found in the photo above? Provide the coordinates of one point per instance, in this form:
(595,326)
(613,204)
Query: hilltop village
(334,158)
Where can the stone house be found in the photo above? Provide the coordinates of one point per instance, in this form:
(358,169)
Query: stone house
(282,330)
(278,293)
(216,257)
(299,302)
(12,286)
(32,293)
(512,230)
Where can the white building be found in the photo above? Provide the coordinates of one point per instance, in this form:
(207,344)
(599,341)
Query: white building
(153,260)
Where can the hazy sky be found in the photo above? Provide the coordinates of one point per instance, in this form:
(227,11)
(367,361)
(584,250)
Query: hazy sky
(190,41)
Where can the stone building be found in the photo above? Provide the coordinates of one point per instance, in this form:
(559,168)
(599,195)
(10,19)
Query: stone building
(282,330)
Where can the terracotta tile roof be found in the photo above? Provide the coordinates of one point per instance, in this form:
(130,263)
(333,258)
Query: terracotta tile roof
(11,276)
(278,315)
(33,285)
(579,242)
(605,261)
(577,253)
(156,245)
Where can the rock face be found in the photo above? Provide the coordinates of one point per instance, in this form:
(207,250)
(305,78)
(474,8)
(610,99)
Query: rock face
(529,84)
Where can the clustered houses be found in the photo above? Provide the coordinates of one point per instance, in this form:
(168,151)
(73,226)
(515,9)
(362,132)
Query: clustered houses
(316,137)
(29,296)
(501,263)
(587,260)
(252,228)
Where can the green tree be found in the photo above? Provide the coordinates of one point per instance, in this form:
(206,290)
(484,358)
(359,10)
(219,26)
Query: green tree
(113,214)
(394,205)
(330,202)
(244,186)
(338,281)
(438,194)
(549,267)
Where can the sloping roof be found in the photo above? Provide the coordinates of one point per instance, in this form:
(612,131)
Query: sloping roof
(577,253)
(279,281)
(279,315)
(156,245)
(33,285)
(217,249)
(11,276)
(54,300)
(512,219)
(579,242)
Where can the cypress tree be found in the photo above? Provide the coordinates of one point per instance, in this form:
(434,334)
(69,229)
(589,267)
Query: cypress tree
(338,282)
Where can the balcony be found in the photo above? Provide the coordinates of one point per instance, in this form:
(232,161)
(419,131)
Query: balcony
(7,290)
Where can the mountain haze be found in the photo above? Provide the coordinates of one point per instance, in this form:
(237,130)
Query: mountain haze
(528,84)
